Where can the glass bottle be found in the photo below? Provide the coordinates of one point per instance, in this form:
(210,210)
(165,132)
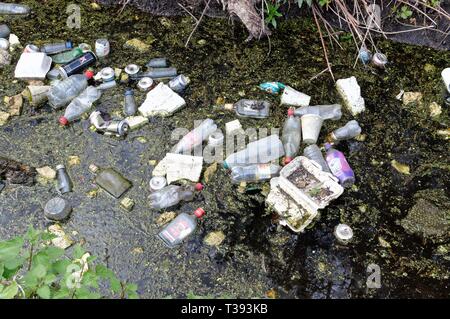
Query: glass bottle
(110,180)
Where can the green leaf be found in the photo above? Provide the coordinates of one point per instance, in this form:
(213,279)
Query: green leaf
(10,292)
(53,252)
(116,287)
(32,235)
(60,266)
(90,279)
(14,263)
(78,252)
(49,279)
(2,267)
(10,248)
(39,271)
(44,292)
(61,293)
(9,273)
(104,272)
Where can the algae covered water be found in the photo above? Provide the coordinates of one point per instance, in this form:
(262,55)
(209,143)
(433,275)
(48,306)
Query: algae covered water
(400,217)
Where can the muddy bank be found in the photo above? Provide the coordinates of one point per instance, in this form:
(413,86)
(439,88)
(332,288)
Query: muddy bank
(256,250)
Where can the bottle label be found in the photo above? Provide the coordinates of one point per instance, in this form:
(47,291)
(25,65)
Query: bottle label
(177,231)
(335,166)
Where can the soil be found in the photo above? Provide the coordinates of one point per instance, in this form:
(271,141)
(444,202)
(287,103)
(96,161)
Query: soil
(256,250)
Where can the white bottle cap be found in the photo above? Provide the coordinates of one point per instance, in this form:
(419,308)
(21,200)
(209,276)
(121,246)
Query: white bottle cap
(157,183)
(343,233)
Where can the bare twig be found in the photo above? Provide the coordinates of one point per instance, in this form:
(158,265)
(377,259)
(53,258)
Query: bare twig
(323,42)
(198,23)
(188,12)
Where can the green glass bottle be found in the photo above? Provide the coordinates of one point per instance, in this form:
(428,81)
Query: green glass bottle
(66,57)
(110,180)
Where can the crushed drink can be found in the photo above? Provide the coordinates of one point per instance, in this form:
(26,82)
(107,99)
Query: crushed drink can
(179,83)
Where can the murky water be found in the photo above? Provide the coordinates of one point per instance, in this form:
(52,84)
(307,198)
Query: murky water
(256,251)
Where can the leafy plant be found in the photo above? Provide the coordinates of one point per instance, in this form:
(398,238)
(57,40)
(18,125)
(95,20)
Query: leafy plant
(404,13)
(324,2)
(434,3)
(31,267)
(272,13)
(300,2)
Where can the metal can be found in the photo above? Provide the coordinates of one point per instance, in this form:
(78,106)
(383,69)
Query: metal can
(102,48)
(132,69)
(117,128)
(107,74)
(145,84)
(78,65)
(365,55)
(379,60)
(57,209)
(31,48)
(179,83)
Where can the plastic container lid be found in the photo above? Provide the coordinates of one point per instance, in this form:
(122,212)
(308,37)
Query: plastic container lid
(199,212)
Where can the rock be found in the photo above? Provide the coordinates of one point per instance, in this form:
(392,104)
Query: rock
(428,220)
(214,238)
(210,171)
(127,204)
(412,97)
(4,117)
(13,42)
(137,250)
(73,160)
(435,109)
(402,168)
(137,44)
(350,92)
(164,218)
(62,240)
(95,6)
(46,172)
(5,58)
(14,103)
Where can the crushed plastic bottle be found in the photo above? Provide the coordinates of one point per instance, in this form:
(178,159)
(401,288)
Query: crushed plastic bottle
(66,57)
(80,105)
(291,136)
(65,91)
(339,166)
(348,131)
(261,151)
(327,112)
(130,107)
(272,87)
(251,108)
(14,9)
(254,173)
(171,195)
(314,153)
(110,180)
(54,48)
(195,137)
(180,228)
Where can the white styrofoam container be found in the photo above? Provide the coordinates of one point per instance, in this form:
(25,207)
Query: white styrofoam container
(293,97)
(178,166)
(32,66)
(350,92)
(161,101)
(446,78)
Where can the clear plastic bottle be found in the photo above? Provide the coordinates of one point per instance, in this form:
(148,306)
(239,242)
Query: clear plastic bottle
(130,107)
(314,153)
(195,137)
(110,180)
(54,48)
(156,73)
(80,105)
(339,166)
(66,57)
(291,136)
(348,131)
(13,8)
(173,194)
(65,91)
(254,173)
(250,108)
(327,112)
(261,151)
(180,228)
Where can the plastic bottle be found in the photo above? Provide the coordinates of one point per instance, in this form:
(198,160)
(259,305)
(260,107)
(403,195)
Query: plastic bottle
(66,57)
(4,31)
(13,8)
(250,108)
(157,63)
(254,173)
(63,182)
(54,48)
(327,112)
(65,91)
(130,104)
(155,73)
(314,153)
(291,136)
(339,166)
(180,228)
(195,137)
(348,131)
(171,195)
(261,151)
(80,105)
(110,180)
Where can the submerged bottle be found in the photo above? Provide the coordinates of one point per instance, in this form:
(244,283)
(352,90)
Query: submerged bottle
(291,136)
(314,153)
(130,107)
(80,105)
(66,57)
(63,182)
(195,137)
(180,228)
(348,131)
(250,108)
(171,195)
(54,48)
(110,180)
(339,166)
(13,8)
(261,151)
(327,112)
(65,91)
(254,173)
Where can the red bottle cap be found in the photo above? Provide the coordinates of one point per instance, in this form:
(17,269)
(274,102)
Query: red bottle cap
(198,186)
(291,111)
(89,74)
(199,212)
(63,121)
(287,160)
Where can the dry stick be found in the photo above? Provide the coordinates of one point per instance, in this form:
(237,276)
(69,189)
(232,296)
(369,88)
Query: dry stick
(323,42)
(319,74)
(403,31)
(417,9)
(124,5)
(198,23)
(187,11)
